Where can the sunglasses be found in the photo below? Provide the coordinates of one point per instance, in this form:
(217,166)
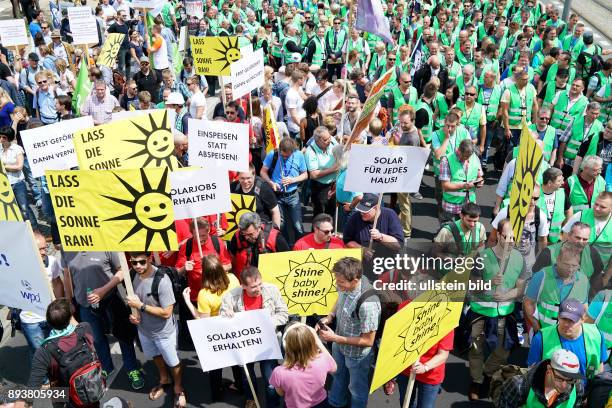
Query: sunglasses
(470,94)
(144,63)
(326,232)
(41,82)
(142,262)
(544,118)
(230,112)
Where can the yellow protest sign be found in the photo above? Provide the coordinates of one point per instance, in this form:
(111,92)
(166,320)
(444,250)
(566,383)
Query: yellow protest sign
(240,204)
(527,164)
(305,278)
(214,55)
(418,326)
(141,141)
(120,210)
(10,209)
(110,49)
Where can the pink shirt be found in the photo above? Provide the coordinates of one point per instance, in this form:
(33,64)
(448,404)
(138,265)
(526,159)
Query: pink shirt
(303,388)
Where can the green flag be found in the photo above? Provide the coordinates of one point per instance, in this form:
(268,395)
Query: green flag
(83,87)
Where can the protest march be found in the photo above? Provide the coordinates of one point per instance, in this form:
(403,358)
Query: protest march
(309,204)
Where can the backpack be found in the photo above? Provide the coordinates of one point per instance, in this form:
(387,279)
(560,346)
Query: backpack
(500,377)
(189,246)
(178,281)
(389,302)
(78,367)
(596,61)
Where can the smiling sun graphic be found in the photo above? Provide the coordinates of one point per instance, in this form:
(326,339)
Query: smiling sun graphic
(157,144)
(10,210)
(228,53)
(150,209)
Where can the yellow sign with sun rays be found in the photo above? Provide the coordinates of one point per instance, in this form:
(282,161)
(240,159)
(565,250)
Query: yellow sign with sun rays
(241,204)
(527,164)
(214,55)
(414,329)
(305,278)
(118,210)
(141,141)
(110,49)
(10,209)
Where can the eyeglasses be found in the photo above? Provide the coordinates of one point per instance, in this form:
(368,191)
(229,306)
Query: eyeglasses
(536,198)
(230,112)
(142,262)
(569,381)
(144,63)
(336,22)
(407,82)
(41,82)
(544,118)
(391,59)
(470,94)
(45,28)
(326,232)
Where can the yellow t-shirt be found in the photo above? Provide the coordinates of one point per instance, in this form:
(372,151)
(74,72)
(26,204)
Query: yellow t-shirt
(211,302)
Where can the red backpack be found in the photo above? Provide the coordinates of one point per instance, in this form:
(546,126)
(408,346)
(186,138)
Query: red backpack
(75,364)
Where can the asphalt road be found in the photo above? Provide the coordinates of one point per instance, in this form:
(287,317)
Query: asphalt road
(14,366)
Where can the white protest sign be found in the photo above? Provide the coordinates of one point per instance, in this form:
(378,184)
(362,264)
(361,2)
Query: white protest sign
(194,8)
(245,338)
(385,169)
(23,281)
(50,147)
(128,114)
(146,4)
(13,33)
(247,73)
(82,25)
(220,144)
(196,192)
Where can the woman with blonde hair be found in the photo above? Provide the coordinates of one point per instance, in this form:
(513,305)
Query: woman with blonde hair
(301,377)
(67,81)
(215,283)
(7,106)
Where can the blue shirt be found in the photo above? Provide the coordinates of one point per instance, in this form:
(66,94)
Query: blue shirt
(292,167)
(343,196)
(575,346)
(356,229)
(563,288)
(45,103)
(35,28)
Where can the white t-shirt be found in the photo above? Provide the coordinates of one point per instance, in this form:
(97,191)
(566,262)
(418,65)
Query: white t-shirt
(599,225)
(542,230)
(54,270)
(10,157)
(293,100)
(197,100)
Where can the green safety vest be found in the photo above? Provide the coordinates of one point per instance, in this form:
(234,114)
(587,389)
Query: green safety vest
(586,262)
(458,175)
(548,299)
(399,99)
(602,241)
(578,197)
(549,95)
(286,52)
(259,45)
(454,71)
(539,176)
(606,107)
(483,303)
(592,345)
(534,402)
(603,320)
(577,137)
(358,45)
(473,242)
(491,105)
(461,85)
(552,74)
(440,103)
(452,145)
(319,55)
(516,109)
(549,139)
(375,62)
(558,214)
(427,129)
(562,116)
(340,38)
(471,121)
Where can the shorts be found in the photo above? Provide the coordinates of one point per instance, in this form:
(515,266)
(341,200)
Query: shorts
(165,347)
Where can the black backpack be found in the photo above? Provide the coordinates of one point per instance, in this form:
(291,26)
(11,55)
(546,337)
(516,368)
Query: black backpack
(189,246)
(178,281)
(76,364)
(596,61)
(389,302)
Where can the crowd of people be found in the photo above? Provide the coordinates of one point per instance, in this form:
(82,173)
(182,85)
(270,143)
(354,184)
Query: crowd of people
(467,76)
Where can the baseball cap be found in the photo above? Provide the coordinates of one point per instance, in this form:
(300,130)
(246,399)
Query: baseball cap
(144,59)
(175,98)
(33,56)
(587,37)
(565,363)
(368,201)
(571,309)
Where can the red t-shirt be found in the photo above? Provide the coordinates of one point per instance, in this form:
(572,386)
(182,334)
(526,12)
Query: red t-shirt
(194,278)
(308,242)
(435,375)
(252,303)
(182,234)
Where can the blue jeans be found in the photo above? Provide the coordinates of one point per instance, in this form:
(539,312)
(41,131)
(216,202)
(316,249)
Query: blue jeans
(266,367)
(33,182)
(492,130)
(350,380)
(21,195)
(291,215)
(423,395)
(35,333)
(128,354)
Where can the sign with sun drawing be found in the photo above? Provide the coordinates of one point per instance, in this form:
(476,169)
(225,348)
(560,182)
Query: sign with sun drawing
(240,204)
(110,49)
(144,141)
(305,278)
(132,212)
(10,209)
(214,55)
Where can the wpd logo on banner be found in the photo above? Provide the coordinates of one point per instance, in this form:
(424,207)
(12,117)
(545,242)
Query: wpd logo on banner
(28,294)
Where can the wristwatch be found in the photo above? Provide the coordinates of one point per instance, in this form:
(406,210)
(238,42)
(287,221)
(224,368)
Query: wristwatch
(143,307)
